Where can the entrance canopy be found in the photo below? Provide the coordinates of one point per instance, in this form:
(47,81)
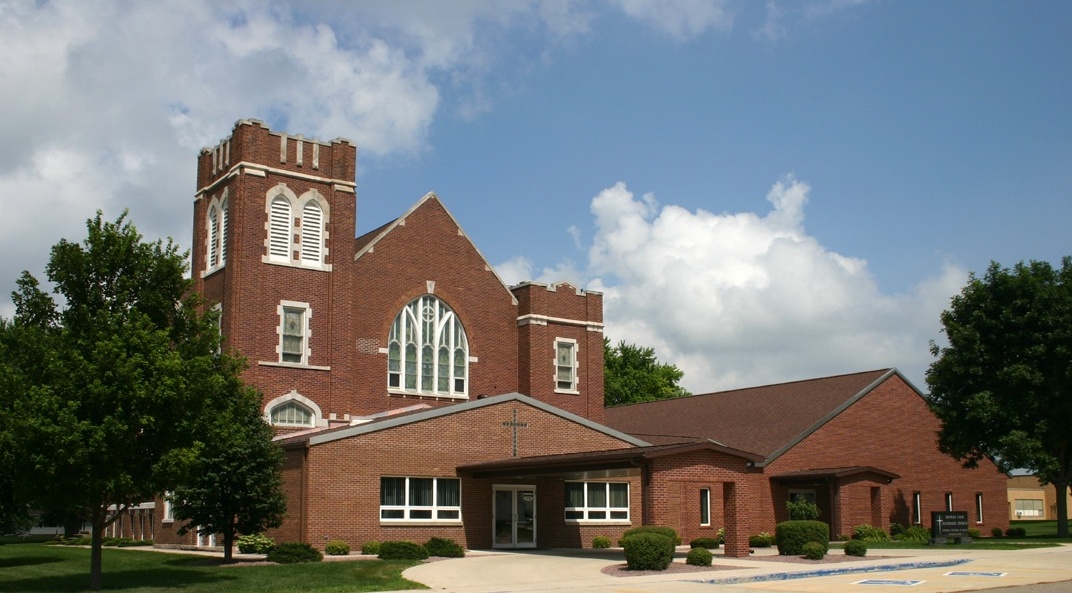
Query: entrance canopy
(836,474)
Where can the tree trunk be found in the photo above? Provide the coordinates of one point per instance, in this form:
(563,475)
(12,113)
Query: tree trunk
(228,544)
(97,521)
(1060,483)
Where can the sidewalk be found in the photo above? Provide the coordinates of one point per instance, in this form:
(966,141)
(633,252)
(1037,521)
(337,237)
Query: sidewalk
(580,570)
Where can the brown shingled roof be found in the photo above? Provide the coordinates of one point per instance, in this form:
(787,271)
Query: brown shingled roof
(763,420)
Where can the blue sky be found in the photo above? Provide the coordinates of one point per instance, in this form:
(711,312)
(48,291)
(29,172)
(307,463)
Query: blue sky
(763,191)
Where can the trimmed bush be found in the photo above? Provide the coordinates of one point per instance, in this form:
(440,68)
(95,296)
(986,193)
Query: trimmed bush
(814,550)
(337,547)
(973,533)
(996,532)
(699,557)
(802,510)
(1016,532)
(855,547)
(709,543)
(255,544)
(897,529)
(444,548)
(294,553)
(669,532)
(792,535)
(648,551)
(869,533)
(762,540)
(370,548)
(600,542)
(402,551)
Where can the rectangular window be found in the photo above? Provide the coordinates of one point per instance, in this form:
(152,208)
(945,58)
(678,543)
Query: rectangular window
(949,501)
(169,509)
(420,499)
(597,501)
(978,507)
(917,512)
(1028,507)
(565,365)
(705,506)
(294,332)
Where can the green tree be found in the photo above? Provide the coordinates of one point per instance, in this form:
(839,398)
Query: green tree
(632,374)
(1002,388)
(116,382)
(235,486)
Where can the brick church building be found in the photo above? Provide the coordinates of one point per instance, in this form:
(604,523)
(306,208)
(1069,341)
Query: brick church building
(415,394)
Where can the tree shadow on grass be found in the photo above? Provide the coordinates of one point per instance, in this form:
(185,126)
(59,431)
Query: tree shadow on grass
(161,577)
(27,561)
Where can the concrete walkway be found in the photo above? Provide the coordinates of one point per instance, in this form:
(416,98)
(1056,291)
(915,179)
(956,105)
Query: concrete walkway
(580,570)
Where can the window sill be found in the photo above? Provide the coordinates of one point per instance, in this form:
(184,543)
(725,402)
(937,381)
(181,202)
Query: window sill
(402,393)
(406,523)
(614,522)
(295,264)
(211,271)
(568,391)
(292,365)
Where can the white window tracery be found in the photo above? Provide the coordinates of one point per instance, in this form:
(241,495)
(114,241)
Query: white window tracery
(428,352)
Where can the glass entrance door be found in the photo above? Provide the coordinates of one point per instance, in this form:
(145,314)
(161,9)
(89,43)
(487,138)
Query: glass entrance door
(515,517)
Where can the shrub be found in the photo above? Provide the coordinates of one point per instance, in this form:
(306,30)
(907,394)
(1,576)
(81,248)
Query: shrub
(916,533)
(600,542)
(699,557)
(337,547)
(896,529)
(709,543)
(721,535)
(855,547)
(869,533)
(1016,532)
(995,532)
(444,548)
(129,543)
(973,533)
(802,510)
(255,544)
(648,551)
(370,548)
(294,553)
(402,551)
(814,550)
(792,535)
(656,529)
(762,540)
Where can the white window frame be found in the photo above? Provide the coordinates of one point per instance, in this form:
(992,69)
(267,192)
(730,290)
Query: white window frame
(978,507)
(1022,510)
(292,404)
(949,501)
(169,509)
(428,324)
(216,224)
(705,507)
(592,511)
(307,315)
(917,507)
(570,365)
(438,511)
(318,415)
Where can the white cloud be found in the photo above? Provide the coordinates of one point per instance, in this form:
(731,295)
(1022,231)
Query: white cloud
(681,19)
(742,299)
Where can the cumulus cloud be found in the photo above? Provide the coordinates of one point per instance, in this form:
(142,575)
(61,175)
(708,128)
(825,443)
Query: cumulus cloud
(682,19)
(739,299)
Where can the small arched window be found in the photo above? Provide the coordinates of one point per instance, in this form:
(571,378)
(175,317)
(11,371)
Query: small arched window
(291,413)
(312,237)
(279,229)
(213,237)
(428,351)
(223,232)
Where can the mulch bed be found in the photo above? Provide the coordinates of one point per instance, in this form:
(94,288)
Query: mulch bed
(622,570)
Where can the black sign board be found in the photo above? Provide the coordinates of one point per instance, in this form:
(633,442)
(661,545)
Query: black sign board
(949,524)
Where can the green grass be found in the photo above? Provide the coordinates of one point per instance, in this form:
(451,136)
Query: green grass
(1039,529)
(37,568)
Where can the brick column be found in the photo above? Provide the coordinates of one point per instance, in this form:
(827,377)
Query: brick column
(737,521)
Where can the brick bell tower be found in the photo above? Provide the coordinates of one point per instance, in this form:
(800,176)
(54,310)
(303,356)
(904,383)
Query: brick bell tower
(273,240)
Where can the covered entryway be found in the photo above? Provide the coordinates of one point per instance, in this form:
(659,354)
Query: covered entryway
(515,516)
(846,496)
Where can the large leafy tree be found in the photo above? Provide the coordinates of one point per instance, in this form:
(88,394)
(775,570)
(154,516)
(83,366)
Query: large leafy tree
(235,486)
(632,374)
(1003,385)
(115,381)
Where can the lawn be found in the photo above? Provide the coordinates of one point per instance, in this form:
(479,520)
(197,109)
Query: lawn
(35,567)
(1039,529)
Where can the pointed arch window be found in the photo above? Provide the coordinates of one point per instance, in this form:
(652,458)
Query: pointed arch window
(312,237)
(216,235)
(213,237)
(279,229)
(428,351)
(223,232)
(291,413)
